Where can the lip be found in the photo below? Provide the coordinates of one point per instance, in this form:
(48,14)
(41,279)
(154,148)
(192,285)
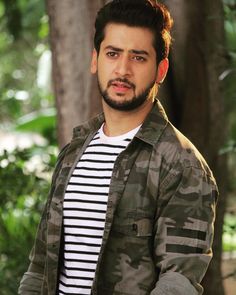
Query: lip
(121,87)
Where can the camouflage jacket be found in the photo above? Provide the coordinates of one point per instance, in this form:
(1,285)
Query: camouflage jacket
(159,223)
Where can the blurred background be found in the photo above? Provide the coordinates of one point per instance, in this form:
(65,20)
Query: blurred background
(46,89)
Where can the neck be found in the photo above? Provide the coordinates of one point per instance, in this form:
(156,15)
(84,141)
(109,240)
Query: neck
(120,122)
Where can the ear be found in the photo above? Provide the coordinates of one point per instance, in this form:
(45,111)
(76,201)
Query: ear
(93,66)
(162,70)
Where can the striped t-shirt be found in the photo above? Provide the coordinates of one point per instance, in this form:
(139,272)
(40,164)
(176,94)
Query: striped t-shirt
(84,211)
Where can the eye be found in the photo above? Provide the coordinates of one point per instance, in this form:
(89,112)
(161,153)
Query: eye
(112,54)
(139,58)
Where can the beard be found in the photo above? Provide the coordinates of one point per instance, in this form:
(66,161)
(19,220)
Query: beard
(125,105)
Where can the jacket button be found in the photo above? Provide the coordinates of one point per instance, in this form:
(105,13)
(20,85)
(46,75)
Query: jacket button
(135,227)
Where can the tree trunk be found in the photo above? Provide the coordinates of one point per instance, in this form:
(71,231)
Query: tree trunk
(197,61)
(71,35)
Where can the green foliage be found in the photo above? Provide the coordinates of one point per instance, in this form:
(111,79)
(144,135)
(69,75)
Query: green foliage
(230,24)
(229,75)
(25,107)
(21,47)
(24,186)
(44,121)
(228,78)
(229,236)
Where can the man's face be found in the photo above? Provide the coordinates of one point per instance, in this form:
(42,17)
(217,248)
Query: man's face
(126,66)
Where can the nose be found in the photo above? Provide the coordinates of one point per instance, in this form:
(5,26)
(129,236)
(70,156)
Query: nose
(123,67)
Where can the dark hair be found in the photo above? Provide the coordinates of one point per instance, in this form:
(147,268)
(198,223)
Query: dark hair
(137,13)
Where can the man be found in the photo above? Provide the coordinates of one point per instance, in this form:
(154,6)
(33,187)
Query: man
(132,202)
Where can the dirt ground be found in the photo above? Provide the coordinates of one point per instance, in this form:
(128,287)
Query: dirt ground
(229,266)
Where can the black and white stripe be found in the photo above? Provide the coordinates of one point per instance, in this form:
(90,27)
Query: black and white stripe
(85,206)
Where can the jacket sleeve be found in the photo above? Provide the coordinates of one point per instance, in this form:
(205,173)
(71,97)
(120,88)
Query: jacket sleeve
(32,281)
(184,230)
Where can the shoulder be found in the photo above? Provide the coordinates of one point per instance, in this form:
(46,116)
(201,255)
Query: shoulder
(181,162)
(177,150)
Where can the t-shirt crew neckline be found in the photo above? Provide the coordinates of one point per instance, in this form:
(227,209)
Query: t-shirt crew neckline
(129,134)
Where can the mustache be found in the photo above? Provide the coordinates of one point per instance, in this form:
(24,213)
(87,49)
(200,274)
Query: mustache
(120,80)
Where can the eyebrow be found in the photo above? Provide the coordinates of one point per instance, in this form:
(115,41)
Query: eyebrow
(142,52)
(135,51)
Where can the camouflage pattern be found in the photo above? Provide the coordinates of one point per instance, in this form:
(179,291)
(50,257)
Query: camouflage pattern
(159,223)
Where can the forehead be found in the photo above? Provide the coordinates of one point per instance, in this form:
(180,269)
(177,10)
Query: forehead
(126,37)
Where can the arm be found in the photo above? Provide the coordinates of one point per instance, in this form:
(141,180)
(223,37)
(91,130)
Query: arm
(32,281)
(184,230)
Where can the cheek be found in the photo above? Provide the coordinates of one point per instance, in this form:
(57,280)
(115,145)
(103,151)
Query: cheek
(102,78)
(145,81)
(104,74)
(150,76)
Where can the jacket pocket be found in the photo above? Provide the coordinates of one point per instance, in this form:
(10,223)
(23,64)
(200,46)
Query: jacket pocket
(132,223)
(128,266)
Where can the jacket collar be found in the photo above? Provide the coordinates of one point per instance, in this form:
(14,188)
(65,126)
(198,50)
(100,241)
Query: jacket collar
(150,132)
(88,127)
(154,124)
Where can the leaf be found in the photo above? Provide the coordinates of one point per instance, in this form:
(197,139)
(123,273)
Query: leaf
(38,121)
